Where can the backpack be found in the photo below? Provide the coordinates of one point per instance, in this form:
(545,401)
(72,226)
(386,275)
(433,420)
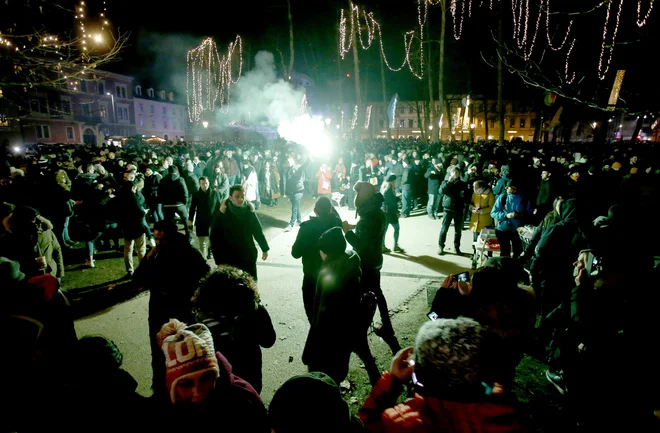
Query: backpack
(503,206)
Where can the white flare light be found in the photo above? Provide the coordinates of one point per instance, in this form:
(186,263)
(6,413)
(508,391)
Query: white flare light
(308,132)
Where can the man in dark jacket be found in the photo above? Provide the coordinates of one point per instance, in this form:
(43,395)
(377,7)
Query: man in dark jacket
(306,246)
(367,240)
(205,203)
(294,188)
(433,175)
(173,194)
(407,180)
(453,193)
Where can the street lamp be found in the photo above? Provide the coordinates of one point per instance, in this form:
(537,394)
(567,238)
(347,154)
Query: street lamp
(205,124)
(114,113)
(98,38)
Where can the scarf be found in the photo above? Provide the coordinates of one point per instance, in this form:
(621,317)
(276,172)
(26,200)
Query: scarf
(238,211)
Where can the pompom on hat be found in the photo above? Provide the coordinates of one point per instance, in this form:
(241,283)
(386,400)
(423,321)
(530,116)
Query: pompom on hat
(188,349)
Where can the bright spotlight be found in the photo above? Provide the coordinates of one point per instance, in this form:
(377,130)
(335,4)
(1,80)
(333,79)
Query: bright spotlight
(98,38)
(205,124)
(16,149)
(327,121)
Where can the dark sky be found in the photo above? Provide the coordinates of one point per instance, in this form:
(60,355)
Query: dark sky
(161,34)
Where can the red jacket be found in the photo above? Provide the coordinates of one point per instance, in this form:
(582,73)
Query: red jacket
(381,414)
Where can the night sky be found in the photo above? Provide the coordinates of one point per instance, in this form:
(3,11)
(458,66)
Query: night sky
(161,34)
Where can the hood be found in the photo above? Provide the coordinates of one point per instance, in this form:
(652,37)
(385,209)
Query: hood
(226,378)
(568,210)
(373,203)
(225,205)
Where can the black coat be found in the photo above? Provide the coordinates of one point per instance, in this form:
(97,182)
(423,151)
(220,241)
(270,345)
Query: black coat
(454,195)
(204,206)
(391,206)
(294,180)
(233,236)
(173,190)
(130,215)
(433,176)
(306,244)
(367,239)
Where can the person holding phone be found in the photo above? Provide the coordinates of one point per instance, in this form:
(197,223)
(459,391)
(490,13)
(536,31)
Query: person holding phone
(447,370)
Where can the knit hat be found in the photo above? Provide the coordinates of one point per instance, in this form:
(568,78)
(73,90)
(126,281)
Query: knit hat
(364,191)
(616,165)
(634,170)
(391,178)
(187,349)
(332,242)
(10,271)
(447,355)
(292,411)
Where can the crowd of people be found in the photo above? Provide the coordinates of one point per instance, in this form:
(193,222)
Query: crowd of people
(583,273)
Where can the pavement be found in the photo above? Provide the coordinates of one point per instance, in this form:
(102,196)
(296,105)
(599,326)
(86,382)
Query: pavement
(105,304)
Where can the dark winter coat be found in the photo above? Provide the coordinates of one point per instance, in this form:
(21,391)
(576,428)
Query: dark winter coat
(150,190)
(241,338)
(130,215)
(367,239)
(454,195)
(337,323)
(173,190)
(433,177)
(391,206)
(295,180)
(233,235)
(204,205)
(306,244)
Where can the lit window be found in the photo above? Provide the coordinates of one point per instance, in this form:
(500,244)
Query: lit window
(69,132)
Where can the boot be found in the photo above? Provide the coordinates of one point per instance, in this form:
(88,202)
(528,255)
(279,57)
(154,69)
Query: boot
(387,334)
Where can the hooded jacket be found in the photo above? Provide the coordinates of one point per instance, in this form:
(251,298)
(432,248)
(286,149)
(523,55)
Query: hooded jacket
(306,244)
(172,190)
(367,239)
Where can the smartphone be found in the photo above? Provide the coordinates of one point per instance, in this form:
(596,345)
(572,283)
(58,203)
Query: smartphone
(432,315)
(463,276)
(590,263)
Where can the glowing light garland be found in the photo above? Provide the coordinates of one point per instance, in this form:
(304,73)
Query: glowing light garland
(368,117)
(453,8)
(601,72)
(547,28)
(568,55)
(642,23)
(355,117)
(209,77)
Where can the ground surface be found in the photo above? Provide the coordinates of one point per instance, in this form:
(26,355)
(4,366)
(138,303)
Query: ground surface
(106,305)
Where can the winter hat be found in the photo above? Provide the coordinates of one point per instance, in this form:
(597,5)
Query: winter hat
(97,356)
(391,178)
(332,242)
(634,170)
(447,355)
(187,349)
(291,411)
(616,166)
(10,271)
(364,191)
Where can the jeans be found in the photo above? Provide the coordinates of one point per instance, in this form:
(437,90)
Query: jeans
(65,230)
(396,226)
(432,205)
(96,235)
(141,247)
(509,240)
(204,246)
(371,282)
(447,217)
(170,211)
(295,208)
(406,199)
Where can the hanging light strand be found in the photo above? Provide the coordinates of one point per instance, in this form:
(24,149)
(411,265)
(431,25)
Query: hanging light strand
(603,67)
(453,7)
(569,79)
(367,117)
(547,28)
(642,22)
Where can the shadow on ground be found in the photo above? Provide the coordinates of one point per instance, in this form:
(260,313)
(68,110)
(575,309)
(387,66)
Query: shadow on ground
(94,299)
(433,263)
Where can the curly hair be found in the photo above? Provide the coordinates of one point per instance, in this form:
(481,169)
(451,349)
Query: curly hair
(226,291)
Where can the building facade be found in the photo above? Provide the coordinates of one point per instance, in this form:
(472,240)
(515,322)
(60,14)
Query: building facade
(84,111)
(159,114)
(476,119)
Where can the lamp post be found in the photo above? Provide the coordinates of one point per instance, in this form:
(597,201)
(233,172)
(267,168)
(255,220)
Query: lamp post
(114,113)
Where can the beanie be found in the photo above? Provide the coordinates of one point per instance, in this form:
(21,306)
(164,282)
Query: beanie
(634,170)
(364,191)
(391,178)
(291,411)
(332,242)
(616,165)
(187,349)
(10,271)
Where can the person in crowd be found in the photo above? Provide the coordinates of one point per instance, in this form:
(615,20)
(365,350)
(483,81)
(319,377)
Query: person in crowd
(233,232)
(367,240)
(481,204)
(131,217)
(338,174)
(453,193)
(173,195)
(306,247)
(294,187)
(446,370)
(508,212)
(340,319)
(231,168)
(324,176)
(407,180)
(219,181)
(228,303)
(292,411)
(201,385)
(205,203)
(269,184)
(250,184)
(171,271)
(391,202)
(434,173)
(152,180)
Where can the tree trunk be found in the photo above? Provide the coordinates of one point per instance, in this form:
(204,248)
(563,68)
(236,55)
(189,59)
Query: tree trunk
(486,118)
(420,121)
(441,71)
(291,51)
(539,121)
(340,82)
(431,115)
(384,90)
(356,66)
(500,76)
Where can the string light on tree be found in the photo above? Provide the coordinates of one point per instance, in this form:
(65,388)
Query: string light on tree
(453,8)
(642,22)
(602,70)
(367,117)
(209,77)
(569,80)
(547,28)
(355,117)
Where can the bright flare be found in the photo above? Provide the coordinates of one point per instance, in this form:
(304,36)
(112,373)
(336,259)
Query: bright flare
(308,132)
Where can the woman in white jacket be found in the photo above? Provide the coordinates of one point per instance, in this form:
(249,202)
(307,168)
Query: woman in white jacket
(251,184)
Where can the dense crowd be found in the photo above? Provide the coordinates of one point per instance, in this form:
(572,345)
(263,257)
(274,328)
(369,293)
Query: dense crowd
(562,216)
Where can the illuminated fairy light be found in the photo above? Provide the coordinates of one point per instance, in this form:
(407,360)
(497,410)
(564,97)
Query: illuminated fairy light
(453,8)
(642,22)
(355,117)
(209,77)
(602,70)
(547,28)
(368,117)
(520,10)
(569,80)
